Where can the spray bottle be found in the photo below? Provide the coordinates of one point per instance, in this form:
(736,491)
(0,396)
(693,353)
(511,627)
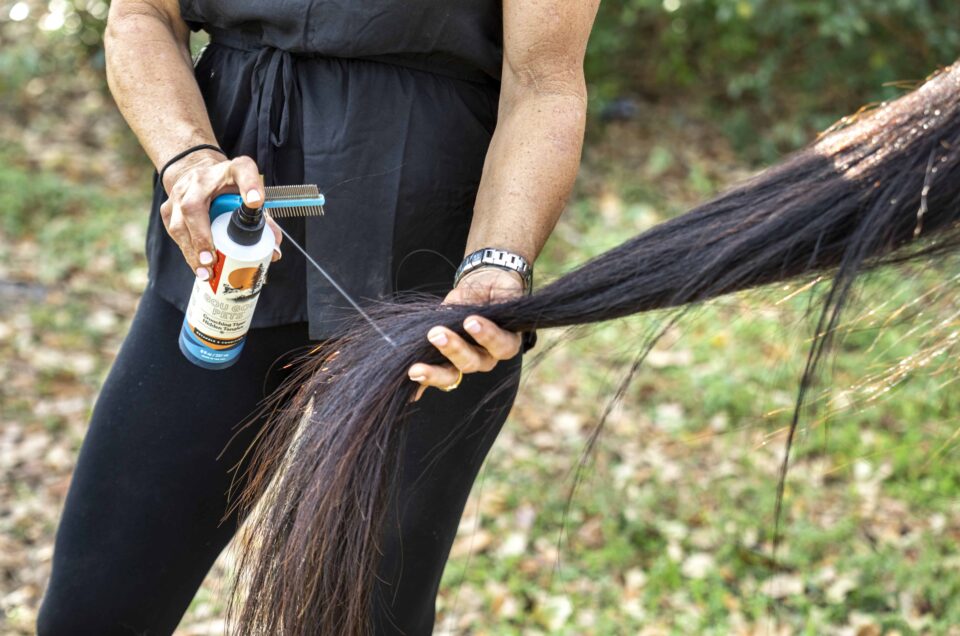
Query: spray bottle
(221,309)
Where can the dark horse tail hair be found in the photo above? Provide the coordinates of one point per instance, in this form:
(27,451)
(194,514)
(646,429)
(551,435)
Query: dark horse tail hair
(880,187)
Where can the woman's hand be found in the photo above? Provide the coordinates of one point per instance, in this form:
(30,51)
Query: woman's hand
(193,183)
(482,286)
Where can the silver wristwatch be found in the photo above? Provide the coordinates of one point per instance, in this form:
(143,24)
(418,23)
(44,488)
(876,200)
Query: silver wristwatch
(493,257)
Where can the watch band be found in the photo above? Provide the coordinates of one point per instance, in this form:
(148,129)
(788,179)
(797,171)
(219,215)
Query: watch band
(493,257)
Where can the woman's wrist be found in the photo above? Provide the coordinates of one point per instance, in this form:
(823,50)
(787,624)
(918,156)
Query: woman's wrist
(200,158)
(515,276)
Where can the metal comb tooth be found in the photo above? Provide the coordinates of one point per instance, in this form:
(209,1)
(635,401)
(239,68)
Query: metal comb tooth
(295,212)
(288,195)
(292,192)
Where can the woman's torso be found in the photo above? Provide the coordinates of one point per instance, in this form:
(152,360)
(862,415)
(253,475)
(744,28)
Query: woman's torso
(389,107)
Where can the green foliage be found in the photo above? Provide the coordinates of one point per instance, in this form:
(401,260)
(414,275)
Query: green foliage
(28,199)
(770,71)
(55,43)
(72,223)
(806,61)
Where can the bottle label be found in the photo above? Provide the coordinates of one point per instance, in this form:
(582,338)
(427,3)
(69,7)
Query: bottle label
(221,309)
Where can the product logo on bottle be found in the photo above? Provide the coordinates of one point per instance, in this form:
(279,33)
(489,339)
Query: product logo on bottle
(245,283)
(242,283)
(221,309)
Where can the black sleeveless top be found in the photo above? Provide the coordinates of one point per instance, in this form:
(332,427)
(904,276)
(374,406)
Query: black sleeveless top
(388,106)
(461,36)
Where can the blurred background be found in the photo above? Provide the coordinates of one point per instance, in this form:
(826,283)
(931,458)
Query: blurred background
(670,531)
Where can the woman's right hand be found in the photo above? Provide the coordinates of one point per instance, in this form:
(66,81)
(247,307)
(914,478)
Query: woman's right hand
(192,184)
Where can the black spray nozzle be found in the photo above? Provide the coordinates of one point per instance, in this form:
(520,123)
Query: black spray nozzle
(246,225)
(250,217)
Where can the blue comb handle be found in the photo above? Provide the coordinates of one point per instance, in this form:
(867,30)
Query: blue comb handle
(223,204)
(230,202)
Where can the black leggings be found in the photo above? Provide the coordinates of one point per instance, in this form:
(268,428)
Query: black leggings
(142,521)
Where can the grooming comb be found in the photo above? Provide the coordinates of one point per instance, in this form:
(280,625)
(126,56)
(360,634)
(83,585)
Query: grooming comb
(282,202)
(293,201)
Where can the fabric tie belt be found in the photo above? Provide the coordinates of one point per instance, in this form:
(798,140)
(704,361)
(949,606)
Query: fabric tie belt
(272,86)
(273,83)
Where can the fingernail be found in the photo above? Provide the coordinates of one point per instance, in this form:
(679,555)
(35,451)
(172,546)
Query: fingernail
(277,249)
(206,257)
(438,338)
(418,378)
(253,197)
(203,273)
(472,326)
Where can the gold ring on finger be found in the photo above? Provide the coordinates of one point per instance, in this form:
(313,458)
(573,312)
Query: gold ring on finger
(456,383)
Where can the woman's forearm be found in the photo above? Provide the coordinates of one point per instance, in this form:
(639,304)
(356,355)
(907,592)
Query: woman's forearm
(534,155)
(150,74)
(529,171)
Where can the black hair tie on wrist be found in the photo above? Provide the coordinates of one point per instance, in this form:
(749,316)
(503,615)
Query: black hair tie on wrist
(188,151)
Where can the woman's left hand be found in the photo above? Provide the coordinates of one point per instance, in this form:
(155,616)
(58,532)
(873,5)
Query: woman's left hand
(479,287)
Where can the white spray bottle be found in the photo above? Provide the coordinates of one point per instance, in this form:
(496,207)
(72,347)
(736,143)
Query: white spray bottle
(221,309)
